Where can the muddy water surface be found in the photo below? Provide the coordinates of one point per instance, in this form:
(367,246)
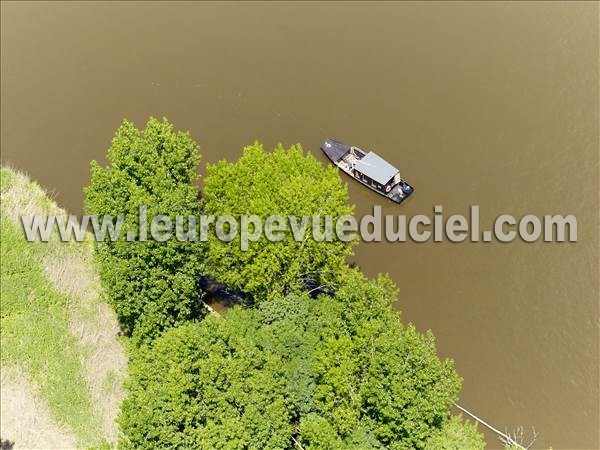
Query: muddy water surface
(488,104)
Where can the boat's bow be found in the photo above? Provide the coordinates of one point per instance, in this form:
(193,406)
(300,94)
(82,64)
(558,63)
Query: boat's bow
(334,150)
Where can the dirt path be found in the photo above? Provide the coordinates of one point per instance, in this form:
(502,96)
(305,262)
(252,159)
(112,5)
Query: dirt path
(70,269)
(25,419)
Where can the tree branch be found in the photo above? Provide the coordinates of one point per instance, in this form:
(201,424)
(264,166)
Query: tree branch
(504,437)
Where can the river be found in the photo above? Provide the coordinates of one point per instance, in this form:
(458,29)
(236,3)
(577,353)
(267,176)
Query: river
(493,104)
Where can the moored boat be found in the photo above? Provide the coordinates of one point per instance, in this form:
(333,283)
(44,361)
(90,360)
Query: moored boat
(368,168)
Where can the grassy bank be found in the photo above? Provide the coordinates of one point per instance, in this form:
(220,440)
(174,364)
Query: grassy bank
(57,336)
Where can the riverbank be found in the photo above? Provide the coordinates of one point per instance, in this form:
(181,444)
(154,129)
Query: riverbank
(62,363)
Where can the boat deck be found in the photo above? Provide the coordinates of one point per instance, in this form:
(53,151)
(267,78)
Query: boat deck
(346,158)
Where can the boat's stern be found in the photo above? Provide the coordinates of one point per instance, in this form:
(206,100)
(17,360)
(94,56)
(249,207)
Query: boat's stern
(334,150)
(401,192)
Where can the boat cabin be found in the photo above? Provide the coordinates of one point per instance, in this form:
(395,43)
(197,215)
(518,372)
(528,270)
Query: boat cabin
(369,169)
(375,171)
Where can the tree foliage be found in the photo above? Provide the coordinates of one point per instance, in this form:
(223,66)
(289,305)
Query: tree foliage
(150,284)
(337,372)
(284,183)
(456,434)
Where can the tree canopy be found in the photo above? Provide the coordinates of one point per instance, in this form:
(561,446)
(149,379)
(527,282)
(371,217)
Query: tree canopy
(152,285)
(282,182)
(304,367)
(456,434)
(337,372)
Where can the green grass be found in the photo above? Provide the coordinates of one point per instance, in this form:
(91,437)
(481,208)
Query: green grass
(7,178)
(35,333)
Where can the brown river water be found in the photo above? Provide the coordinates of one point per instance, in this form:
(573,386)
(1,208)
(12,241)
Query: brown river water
(489,104)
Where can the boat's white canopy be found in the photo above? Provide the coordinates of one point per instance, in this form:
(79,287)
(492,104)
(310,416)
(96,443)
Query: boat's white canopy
(376,168)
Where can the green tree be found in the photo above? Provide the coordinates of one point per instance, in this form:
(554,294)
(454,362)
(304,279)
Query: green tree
(284,183)
(151,285)
(456,434)
(336,372)
(209,386)
(376,372)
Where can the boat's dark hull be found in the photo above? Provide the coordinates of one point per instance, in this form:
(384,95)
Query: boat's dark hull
(335,151)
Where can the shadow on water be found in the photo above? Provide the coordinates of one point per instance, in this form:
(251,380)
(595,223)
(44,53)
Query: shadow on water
(217,296)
